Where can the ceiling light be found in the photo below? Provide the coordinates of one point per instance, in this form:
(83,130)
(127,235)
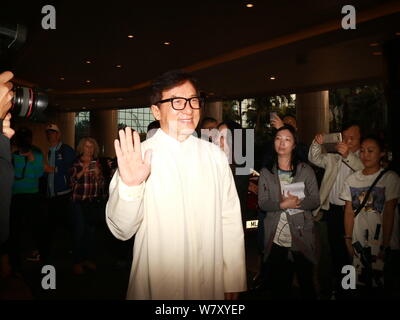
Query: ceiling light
(377,53)
(118,66)
(131,36)
(84,108)
(397,33)
(120,99)
(62,78)
(87,81)
(88,61)
(374,44)
(272,78)
(249,5)
(167,43)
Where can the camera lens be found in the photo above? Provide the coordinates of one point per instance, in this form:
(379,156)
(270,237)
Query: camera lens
(28,102)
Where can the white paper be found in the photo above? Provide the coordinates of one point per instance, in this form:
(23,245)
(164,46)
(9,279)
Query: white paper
(295,189)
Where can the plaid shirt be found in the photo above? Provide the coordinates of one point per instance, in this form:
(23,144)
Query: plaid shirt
(88,186)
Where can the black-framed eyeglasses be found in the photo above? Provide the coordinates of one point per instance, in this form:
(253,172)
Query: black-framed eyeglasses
(179,103)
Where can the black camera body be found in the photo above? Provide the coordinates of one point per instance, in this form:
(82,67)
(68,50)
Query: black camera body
(27,102)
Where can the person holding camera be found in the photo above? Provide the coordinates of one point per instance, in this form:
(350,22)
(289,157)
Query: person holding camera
(338,166)
(6,169)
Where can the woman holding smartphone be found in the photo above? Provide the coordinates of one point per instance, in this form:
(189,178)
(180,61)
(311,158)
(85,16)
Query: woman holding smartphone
(87,192)
(289,243)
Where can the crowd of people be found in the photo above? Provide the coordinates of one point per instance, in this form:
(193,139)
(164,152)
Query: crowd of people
(185,203)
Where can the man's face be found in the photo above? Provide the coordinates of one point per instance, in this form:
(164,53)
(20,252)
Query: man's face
(52,136)
(179,124)
(352,137)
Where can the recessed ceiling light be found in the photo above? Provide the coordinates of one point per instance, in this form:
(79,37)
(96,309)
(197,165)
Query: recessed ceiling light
(88,61)
(131,36)
(377,53)
(167,43)
(272,78)
(249,5)
(118,66)
(374,44)
(87,81)
(62,78)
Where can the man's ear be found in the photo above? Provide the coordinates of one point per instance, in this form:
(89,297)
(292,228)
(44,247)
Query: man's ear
(156,112)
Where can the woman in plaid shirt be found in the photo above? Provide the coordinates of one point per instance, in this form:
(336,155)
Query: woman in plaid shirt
(87,193)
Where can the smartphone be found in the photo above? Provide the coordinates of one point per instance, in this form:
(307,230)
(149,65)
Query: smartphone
(254,172)
(331,140)
(92,165)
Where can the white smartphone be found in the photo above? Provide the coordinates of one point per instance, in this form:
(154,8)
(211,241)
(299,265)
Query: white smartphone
(254,172)
(92,165)
(331,140)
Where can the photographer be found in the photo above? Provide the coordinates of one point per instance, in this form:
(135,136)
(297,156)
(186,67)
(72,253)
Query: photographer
(338,166)
(6,170)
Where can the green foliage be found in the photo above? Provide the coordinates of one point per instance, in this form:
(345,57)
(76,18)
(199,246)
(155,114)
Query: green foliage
(364,104)
(258,117)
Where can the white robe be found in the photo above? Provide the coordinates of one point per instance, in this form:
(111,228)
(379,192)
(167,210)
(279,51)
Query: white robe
(189,240)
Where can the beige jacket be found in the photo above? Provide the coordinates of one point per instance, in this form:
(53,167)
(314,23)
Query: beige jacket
(330,162)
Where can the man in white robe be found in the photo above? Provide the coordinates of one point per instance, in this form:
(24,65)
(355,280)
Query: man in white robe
(177,194)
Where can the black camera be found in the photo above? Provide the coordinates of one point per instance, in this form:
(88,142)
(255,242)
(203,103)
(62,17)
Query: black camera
(27,102)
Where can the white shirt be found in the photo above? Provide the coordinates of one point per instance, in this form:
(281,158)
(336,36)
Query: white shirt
(189,240)
(343,173)
(283,237)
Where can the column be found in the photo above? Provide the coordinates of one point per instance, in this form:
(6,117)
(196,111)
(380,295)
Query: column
(214,110)
(104,128)
(312,114)
(391,53)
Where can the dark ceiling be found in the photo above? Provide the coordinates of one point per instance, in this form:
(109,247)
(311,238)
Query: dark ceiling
(232,49)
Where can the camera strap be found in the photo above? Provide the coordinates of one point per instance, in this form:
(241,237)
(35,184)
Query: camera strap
(369,192)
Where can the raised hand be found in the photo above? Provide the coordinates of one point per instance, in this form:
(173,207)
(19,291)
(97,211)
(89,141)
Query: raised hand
(133,169)
(276,122)
(7,131)
(290,202)
(343,149)
(5,93)
(319,138)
